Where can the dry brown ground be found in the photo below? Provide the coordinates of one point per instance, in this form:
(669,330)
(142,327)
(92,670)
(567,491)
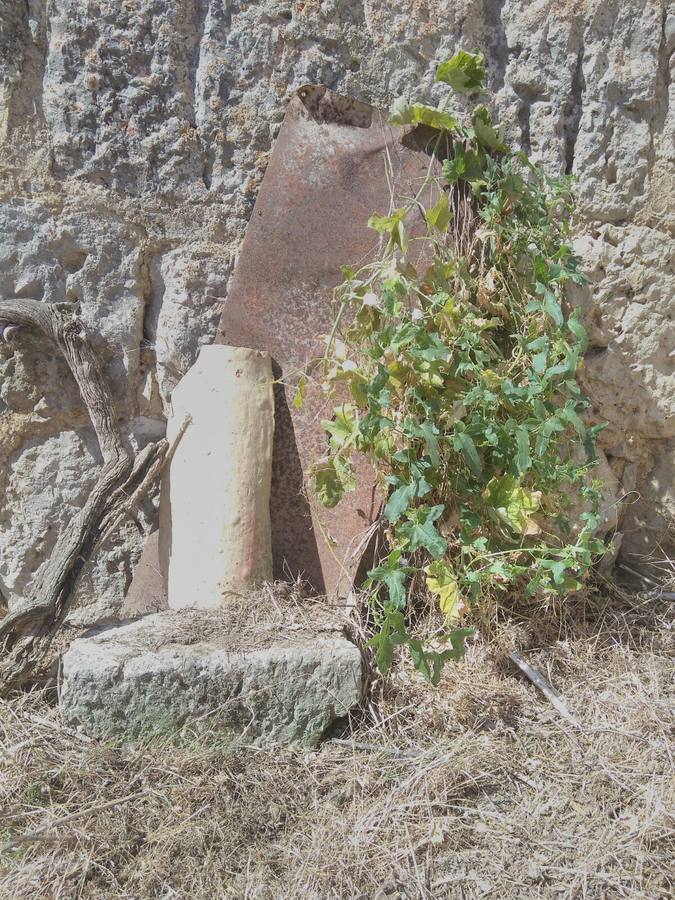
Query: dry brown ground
(475,789)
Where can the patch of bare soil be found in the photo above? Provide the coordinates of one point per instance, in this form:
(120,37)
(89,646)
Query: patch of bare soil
(477,788)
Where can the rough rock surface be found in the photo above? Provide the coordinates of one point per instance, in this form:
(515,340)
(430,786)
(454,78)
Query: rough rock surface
(133,137)
(152,676)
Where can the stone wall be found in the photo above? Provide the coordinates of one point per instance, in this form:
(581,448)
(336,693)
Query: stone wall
(134,134)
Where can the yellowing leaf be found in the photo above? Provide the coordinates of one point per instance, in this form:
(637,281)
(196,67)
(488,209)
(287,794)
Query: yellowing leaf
(513,503)
(491,378)
(299,397)
(439,215)
(332,478)
(403,113)
(442,581)
(393,226)
(398,373)
(342,427)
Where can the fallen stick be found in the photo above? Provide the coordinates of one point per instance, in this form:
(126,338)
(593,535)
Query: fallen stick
(637,574)
(544,686)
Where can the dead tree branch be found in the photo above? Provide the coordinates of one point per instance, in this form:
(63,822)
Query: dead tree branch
(27,631)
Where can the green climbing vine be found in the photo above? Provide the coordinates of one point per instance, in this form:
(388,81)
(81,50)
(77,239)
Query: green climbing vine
(452,363)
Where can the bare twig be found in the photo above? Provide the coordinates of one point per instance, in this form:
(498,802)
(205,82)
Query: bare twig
(544,686)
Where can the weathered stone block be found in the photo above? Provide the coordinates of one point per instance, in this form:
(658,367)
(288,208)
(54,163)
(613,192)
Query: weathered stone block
(200,670)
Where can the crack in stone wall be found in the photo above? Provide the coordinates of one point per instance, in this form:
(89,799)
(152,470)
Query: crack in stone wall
(133,137)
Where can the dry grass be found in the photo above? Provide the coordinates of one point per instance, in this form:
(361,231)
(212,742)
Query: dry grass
(474,789)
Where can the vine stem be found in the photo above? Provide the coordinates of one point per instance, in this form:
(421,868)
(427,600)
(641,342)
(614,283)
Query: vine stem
(27,631)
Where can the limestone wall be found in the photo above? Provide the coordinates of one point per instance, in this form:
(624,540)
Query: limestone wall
(133,136)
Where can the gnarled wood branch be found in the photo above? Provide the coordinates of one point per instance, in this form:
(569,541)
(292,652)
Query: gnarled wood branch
(27,631)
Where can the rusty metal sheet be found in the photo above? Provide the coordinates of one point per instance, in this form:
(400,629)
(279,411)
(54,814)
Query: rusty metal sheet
(332,165)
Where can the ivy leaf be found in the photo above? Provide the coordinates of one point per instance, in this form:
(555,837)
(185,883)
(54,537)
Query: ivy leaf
(465,72)
(464,444)
(513,187)
(464,164)
(439,215)
(513,503)
(342,428)
(402,498)
(392,632)
(442,581)
(419,658)
(523,460)
(485,132)
(393,575)
(402,113)
(429,432)
(331,479)
(553,308)
(457,637)
(393,226)
(384,651)
(419,531)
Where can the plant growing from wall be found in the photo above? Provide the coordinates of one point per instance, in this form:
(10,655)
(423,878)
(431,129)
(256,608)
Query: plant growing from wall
(452,365)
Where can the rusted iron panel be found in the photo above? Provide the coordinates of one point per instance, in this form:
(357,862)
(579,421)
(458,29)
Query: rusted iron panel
(333,164)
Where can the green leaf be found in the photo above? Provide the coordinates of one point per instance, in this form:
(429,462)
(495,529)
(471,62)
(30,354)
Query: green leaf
(299,397)
(544,436)
(539,361)
(465,72)
(569,414)
(342,428)
(399,501)
(551,305)
(464,444)
(418,531)
(457,637)
(393,575)
(392,633)
(439,215)
(403,113)
(393,226)
(576,327)
(513,187)
(464,164)
(442,581)
(523,460)
(384,651)
(331,482)
(430,434)
(485,132)
(419,658)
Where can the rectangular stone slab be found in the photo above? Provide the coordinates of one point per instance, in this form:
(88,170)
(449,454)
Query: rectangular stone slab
(195,669)
(326,176)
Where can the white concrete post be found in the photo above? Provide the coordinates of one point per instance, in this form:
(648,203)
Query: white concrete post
(215,535)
